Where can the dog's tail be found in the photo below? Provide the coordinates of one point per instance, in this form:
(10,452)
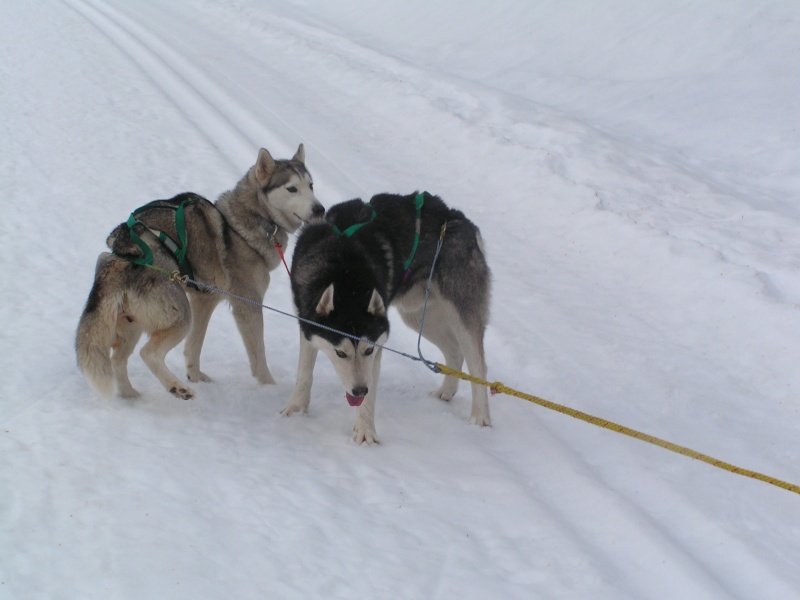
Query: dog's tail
(97,326)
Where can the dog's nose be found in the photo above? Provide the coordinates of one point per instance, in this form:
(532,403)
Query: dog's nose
(318,210)
(360,391)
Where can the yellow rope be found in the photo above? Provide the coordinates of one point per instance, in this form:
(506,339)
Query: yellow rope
(499,388)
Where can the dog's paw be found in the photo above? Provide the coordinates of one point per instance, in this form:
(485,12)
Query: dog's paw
(128,392)
(479,413)
(198,375)
(262,375)
(182,392)
(265,379)
(444,393)
(293,408)
(363,434)
(481,420)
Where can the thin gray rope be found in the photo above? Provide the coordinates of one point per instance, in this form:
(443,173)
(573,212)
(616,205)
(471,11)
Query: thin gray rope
(430,364)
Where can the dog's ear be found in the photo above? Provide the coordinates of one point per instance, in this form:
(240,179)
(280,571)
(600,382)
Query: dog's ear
(325,304)
(376,305)
(300,155)
(265,165)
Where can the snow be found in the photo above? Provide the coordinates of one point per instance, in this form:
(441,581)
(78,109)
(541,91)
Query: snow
(634,168)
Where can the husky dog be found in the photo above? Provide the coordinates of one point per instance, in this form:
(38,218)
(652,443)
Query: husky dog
(349,267)
(230,244)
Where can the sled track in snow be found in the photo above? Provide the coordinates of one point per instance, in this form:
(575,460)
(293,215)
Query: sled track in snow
(624,521)
(228,126)
(197,97)
(212,110)
(229,116)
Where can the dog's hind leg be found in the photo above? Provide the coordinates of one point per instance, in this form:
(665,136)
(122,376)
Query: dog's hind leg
(471,341)
(165,314)
(301,396)
(459,338)
(439,333)
(126,336)
(153,354)
(437,330)
(203,306)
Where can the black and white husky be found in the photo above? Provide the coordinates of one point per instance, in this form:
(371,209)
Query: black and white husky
(363,257)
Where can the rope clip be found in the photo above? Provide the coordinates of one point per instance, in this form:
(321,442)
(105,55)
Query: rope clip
(176,276)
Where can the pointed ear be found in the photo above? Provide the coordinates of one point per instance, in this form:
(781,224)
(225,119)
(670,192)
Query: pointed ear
(376,305)
(265,165)
(325,304)
(300,155)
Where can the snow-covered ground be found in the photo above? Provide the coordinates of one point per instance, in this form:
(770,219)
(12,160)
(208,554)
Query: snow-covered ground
(635,170)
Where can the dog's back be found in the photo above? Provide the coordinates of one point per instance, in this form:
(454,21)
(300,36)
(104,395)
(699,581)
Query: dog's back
(462,273)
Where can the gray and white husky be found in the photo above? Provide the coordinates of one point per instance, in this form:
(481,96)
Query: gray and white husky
(230,244)
(349,267)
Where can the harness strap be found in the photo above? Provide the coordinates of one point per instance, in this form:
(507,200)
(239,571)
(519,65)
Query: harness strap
(419,201)
(147,259)
(353,228)
(178,249)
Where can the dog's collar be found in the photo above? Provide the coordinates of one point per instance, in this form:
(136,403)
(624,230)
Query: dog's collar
(271,227)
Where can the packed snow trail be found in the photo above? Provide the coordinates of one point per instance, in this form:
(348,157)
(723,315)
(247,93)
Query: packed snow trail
(642,314)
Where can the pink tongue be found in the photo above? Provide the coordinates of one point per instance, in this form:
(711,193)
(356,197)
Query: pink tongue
(354,400)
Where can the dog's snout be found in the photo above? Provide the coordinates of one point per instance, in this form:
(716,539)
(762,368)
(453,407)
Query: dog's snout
(318,210)
(360,391)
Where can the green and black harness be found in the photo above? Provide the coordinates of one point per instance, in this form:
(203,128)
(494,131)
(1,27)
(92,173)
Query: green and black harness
(176,247)
(419,201)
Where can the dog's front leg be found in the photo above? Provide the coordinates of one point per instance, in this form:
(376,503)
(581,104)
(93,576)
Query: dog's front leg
(364,430)
(305,377)
(203,306)
(250,322)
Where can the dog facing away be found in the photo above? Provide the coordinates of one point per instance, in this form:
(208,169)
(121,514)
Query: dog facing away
(230,245)
(349,267)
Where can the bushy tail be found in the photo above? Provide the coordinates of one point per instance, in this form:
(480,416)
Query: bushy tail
(96,330)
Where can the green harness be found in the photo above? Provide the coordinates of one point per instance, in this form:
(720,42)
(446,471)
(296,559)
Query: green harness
(176,248)
(419,200)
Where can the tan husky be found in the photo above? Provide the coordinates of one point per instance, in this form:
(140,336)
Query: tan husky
(230,244)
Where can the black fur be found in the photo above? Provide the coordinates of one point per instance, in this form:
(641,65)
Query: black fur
(373,258)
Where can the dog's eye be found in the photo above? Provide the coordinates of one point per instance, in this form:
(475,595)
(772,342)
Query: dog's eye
(341,354)
(369,350)
(311,185)
(291,189)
